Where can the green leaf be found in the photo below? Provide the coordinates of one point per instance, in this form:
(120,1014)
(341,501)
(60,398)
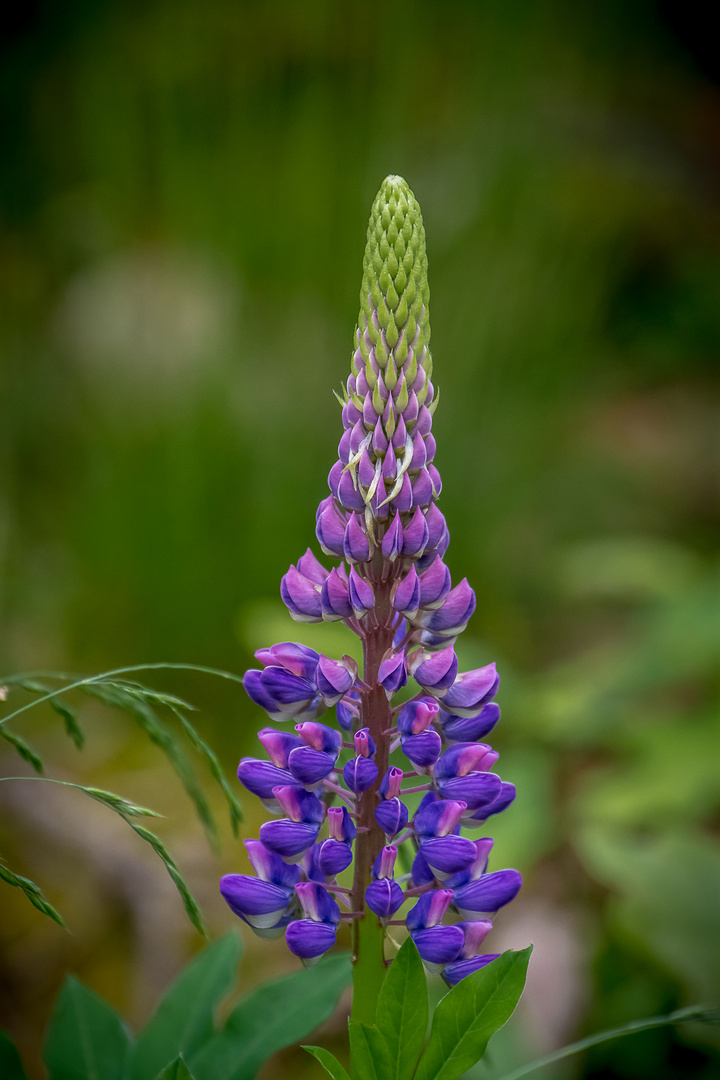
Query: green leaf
(86,1039)
(10,1063)
(402,1013)
(369,1054)
(33,892)
(189,901)
(72,727)
(467,1016)
(23,748)
(701,1014)
(176,1070)
(183,1021)
(329,1062)
(272,1017)
(234,804)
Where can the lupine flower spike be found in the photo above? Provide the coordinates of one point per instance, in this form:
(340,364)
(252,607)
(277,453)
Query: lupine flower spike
(334,789)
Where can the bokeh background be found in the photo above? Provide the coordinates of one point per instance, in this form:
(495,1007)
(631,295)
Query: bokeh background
(184,193)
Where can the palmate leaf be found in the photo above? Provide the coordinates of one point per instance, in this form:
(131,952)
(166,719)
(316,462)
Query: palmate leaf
(470,1013)
(32,891)
(183,1021)
(402,1012)
(270,1018)
(86,1040)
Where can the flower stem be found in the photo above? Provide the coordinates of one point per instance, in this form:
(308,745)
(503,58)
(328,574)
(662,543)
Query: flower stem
(368,934)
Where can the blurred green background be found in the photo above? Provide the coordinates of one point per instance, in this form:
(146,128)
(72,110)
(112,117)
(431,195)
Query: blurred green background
(184,190)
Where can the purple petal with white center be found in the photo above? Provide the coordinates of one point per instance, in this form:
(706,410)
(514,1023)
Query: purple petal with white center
(471,690)
(454,612)
(461,759)
(435,479)
(476,790)
(419,457)
(468,729)
(417,716)
(288,838)
(334,679)
(300,805)
(311,568)
(392,816)
(460,969)
(249,896)
(298,659)
(320,737)
(308,939)
(356,545)
(335,598)
(278,745)
(330,527)
(430,909)
(260,777)
(360,773)
(504,799)
(422,750)
(333,857)
(435,672)
(477,868)
(301,597)
(362,597)
(435,584)
(488,893)
(392,674)
(384,898)
(448,854)
(475,932)
(317,903)
(438,944)
(252,682)
(437,818)
(287,689)
(270,867)
(392,542)
(416,535)
(310,766)
(406,594)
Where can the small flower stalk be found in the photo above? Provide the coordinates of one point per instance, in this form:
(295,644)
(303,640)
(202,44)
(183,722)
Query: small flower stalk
(337,800)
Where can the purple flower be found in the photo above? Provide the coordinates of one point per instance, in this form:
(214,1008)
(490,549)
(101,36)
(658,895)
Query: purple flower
(460,969)
(471,690)
(334,678)
(505,797)
(293,835)
(434,585)
(392,675)
(261,777)
(330,527)
(312,936)
(437,817)
(384,898)
(362,597)
(302,594)
(282,695)
(392,542)
(406,594)
(446,855)
(278,745)
(435,672)
(364,743)
(335,597)
(468,729)
(356,544)
(417,716)
(422,750)
(486,895)
(392,816)
(416,534)
(437,945)
(297,659)
(452,616)
(266,900)
(360,773)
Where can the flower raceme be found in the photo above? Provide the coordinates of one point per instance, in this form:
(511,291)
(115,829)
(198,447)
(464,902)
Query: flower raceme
(335,795)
